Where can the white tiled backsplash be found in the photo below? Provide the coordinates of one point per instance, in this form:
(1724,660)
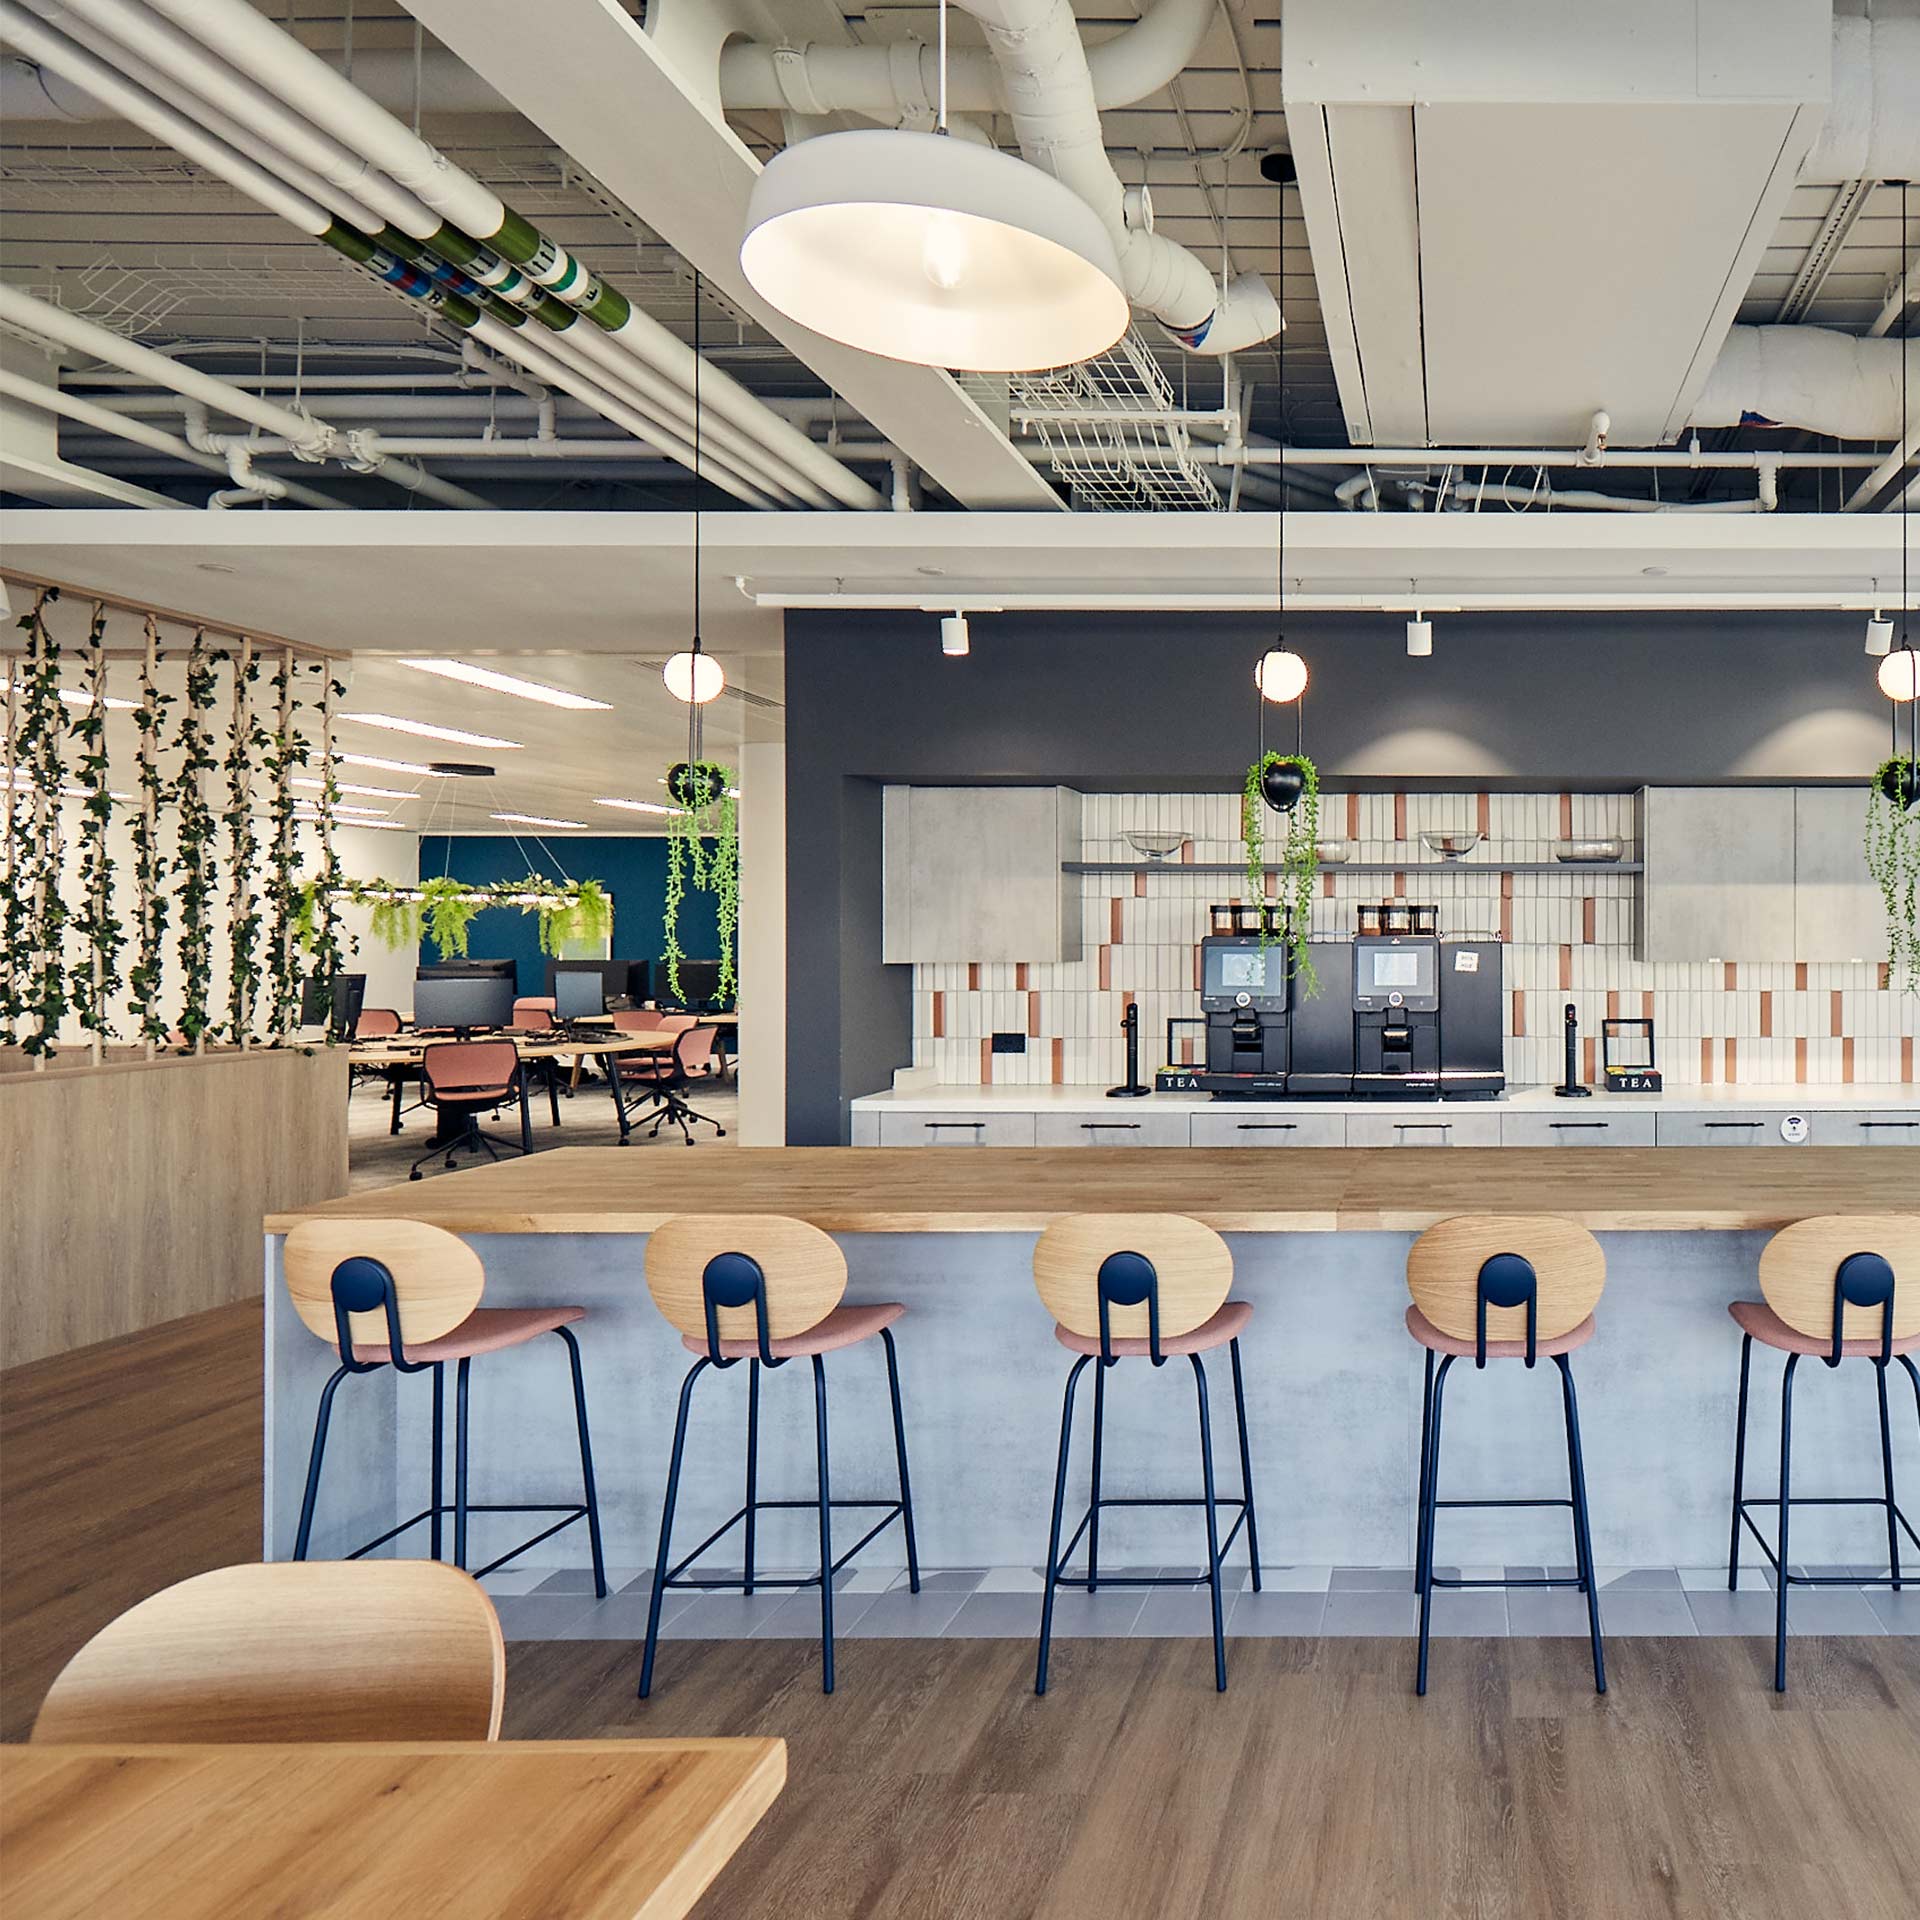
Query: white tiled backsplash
(1569,936)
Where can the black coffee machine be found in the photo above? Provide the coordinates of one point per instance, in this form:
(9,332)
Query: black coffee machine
(1401,1013)
(1245,991)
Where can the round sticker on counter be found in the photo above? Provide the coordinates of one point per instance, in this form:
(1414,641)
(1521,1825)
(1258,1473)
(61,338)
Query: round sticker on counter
(1794,1129)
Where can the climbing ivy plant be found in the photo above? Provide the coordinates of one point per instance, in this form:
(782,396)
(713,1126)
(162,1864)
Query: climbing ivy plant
(317,921)
(13,907)
(97,978)
(286,753)
(1893,858)
(1298,859)
(247,742)
(149,867)
(194,831)
(703,847)
(43,929)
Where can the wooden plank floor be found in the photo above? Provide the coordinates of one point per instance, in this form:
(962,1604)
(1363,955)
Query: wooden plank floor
(934,1784)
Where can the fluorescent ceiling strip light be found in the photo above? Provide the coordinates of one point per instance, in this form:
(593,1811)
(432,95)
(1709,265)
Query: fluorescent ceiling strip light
(509,683)
(639,806)
(73,697)
(534,820)
(458,736)
(387,766)
(348,786)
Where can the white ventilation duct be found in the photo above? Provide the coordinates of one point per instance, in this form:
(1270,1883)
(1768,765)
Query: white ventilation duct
(1050,96)
(1811,378)
(1872,125)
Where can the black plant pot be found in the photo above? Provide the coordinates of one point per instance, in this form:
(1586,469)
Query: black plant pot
(695,786)
(1901,783)
(1282,784)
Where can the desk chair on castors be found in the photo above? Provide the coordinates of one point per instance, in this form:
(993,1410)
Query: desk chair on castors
(766,1290)
(402,1294)
(1142,1286)
(1503,1287)
(1841,1287)
(467,1078)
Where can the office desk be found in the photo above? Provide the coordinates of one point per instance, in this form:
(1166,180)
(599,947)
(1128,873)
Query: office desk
(593,1829)
(402,1054)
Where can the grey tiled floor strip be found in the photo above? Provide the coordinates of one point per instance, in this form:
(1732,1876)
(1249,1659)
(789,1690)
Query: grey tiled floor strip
(1378,1602)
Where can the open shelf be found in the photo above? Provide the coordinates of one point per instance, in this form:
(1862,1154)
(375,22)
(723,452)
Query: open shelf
(1363,866)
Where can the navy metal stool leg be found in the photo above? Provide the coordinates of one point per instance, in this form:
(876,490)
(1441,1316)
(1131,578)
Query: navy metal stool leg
(1582,1532)
(1059,1509)
(1099,1436)
(1246,1464)
(586,1462)
(1423,1574)
(900,1451)
(1213,1529)
(460,1464)
(1780,1580)
(666,1525)
(1739,1462)
(753,1463)
(439,1451)
(1886,1466)
(320,1423)
(826,1527)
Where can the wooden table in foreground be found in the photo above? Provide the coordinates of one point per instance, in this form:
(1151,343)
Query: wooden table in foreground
(1019,1189)
(549,1830)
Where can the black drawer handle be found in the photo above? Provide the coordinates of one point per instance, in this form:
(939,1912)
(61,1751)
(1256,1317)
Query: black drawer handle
(1423,1126)
(1715,1125)
(1865,1124)
(1267,1126)
(1109,1126)
(965,1126)
(1579,1126)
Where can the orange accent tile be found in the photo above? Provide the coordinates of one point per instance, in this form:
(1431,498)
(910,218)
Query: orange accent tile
(1033,1016)
(986,1063)
(1566,969)
(1613,1004)
(1732,1074)
(1506,906)
(1483,813)
(1800,1063)
(1589,1069)
(1353,816)
(1646,1003)
(1766,1014)
(1139,886)
(1020,977)
(1059,1063)
(1884,978)
(1518,1028)
(1399,816)
(1114,921)
(1106,969)
(1906,1060)
(1326,886)
(1846,1061)
(1566,816)
(1588,916)
(973,976)
(1399,886)
(1732,979)
(1196,970)
(1126,1000)
(1800,976)
(1270,881)
(1186,856)
(939,1016)
(1186,1053)
(1706,1062)
(1835,1019)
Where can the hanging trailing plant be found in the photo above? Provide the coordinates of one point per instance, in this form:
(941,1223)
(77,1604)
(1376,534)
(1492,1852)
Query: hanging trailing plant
(584,918)
(247,741)
(447,909)
(97,978)
(703,847)
(150,903)
(194,831)
(13,908)
(1893,858)
(287,752)
(43,931)
(317,919)
(1290,783)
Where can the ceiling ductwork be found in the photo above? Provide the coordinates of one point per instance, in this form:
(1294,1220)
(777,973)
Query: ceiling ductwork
(1819,381)
(1872,126)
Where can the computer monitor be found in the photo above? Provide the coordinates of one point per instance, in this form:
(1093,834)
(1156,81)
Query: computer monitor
(576,995)
(463,969)
(333,1001)
(699,982)
(465,1004)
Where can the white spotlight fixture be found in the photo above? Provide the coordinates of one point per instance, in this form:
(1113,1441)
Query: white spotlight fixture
(955,641)
(1899,676)
(1419,637)
(694,677)
(1879,636)
(508,683)
(1281,676)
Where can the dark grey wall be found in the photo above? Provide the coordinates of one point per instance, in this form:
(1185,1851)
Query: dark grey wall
(1164,701)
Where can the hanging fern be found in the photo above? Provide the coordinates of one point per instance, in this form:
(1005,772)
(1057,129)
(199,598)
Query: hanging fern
(709,813)
(193,852)
(43,930)
(1299,860)
(144,976)
(97,978)
(1893,858)
(447,908)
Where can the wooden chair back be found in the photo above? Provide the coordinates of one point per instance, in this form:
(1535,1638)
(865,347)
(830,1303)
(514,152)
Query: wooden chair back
(376,1023)
(437,1279)
(1191,1264)
(1800,1273)
(1443,1273)
(806,1273)
(316,1650)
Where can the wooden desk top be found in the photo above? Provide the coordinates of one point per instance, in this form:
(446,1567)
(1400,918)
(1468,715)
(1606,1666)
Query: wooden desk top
(590,1829)
(1019,1189)
(406,1051)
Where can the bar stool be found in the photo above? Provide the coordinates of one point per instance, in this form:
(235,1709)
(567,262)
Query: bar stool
(766,1290)
(403,1294)
(1147,1286)
(1839,1287)
(1503,1287)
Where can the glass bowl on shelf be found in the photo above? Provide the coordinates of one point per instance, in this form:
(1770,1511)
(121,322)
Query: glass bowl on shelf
(1450,845)
(1155,846)
(1333,853)
(1589,853)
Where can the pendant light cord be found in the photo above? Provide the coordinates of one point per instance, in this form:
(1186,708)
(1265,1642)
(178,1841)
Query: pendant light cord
(696,713)
(1906,517)
(943,66)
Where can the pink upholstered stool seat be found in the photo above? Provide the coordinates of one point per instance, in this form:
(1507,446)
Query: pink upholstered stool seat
(484,1330)
(1766,1326)
(843,1327)
(1228,1324)
(1435,1341)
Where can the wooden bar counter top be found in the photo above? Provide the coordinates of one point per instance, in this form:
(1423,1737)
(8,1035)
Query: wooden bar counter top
(576,1190)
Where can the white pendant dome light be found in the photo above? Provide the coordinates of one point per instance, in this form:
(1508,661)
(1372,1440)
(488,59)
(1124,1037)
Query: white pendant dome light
(1899,676)
(920,247)
(1281,676)
(695,678)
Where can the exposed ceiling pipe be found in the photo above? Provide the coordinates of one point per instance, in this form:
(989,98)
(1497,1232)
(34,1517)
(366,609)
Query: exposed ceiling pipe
(500,328)
(1836,384)
(1903,295)
(1888,469)
(249,488)
(308,437)
(1765,499)
(1049,93)
(477,232)
(1691,457)
(1871,129)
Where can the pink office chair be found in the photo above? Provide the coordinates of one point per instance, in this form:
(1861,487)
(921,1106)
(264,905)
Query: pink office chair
(638,1020)
(376,1023)
(532,1014)
(467,1076)
(668,1076)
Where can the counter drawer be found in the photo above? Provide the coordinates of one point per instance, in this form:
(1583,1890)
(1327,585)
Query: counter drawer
(1443,1127)
(1579,1126)
(1230,1129)
(1129,1126)
(956,1130)
(1753,1127)
(1896,1127)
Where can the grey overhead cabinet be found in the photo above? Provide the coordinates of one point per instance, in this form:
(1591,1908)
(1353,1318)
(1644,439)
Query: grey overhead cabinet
(974,873)
(1837,911)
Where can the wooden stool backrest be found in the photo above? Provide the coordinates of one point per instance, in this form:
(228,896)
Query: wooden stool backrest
(806,1273)
(1191,1264)
(437,1279)
(1443,1273)
(1800,1272)
(318,1650)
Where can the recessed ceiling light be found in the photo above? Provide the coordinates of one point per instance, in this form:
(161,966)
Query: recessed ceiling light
(534,820)
(639,806)
(382,766)
(457,735)
(508,683)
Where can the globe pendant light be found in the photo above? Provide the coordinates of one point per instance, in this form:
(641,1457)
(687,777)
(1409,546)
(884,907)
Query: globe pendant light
(1899,673)
(693,675)
(923,248)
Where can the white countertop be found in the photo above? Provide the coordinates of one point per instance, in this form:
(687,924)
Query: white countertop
(1674,1099)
